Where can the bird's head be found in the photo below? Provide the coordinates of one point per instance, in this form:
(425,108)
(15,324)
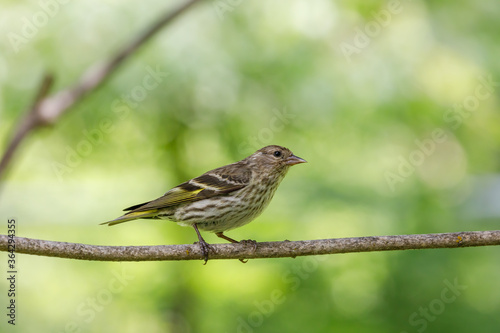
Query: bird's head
(275,158)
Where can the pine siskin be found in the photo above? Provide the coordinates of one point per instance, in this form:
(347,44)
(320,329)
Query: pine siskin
(221,199)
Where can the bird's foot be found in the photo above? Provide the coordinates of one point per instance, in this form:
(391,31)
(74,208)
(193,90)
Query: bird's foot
(205,249)
(251,242)
(245,241)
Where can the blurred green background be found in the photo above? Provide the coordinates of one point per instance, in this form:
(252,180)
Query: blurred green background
(393,104)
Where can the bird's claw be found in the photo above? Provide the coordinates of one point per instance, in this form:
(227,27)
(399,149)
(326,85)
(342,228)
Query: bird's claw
(251,242)
(205,248)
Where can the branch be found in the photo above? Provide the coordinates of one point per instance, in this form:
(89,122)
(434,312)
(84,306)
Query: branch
(28,123)
(246,251)
(46,110)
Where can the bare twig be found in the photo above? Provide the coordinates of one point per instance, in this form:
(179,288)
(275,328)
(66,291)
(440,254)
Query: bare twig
(241,250)
(47,110)
(28,122)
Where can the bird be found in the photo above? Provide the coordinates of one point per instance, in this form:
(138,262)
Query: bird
(221,199)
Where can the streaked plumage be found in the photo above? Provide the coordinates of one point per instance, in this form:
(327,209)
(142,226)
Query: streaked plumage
(221,199)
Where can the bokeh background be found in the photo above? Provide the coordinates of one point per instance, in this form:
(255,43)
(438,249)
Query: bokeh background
(393,104)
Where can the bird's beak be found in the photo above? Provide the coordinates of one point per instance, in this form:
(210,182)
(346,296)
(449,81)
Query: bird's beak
(292,160)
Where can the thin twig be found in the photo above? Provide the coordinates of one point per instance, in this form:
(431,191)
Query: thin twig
(246,251)
(48,109)
(28,122)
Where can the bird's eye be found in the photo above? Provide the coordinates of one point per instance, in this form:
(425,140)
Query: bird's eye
(277,153)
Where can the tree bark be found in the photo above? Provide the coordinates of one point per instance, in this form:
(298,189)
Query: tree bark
(247,250)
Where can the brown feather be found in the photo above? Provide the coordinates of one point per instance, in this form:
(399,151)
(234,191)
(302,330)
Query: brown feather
(220,181)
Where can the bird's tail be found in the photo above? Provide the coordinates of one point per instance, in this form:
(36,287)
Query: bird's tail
(132,216)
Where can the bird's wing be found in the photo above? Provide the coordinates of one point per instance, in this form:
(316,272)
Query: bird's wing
(217,182)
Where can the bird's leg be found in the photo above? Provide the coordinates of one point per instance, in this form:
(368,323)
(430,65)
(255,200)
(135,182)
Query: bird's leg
(205,247)
(221,235)
(254,243)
